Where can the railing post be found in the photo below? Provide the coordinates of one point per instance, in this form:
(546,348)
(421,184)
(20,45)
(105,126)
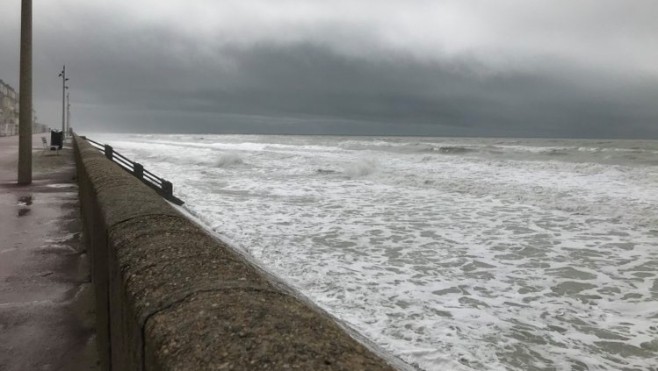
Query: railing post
(138,170)
(109,151)
(167,189)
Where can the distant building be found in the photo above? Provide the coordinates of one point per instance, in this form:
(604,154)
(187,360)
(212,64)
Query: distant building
(8,110)
(9,113)
(36,126)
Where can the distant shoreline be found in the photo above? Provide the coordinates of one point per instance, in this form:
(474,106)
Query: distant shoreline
(374,136)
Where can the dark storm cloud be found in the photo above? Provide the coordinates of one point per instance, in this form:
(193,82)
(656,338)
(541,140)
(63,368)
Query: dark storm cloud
(306,81)
(301,67)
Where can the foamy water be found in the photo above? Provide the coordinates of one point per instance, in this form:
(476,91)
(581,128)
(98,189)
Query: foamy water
(448,253)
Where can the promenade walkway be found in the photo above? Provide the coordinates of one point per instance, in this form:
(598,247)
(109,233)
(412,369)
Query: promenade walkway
(46,298)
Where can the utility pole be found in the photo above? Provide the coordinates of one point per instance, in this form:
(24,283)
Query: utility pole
(25,97)
(64,87)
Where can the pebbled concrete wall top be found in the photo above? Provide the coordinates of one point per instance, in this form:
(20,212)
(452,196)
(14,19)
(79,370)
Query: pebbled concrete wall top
(190,302)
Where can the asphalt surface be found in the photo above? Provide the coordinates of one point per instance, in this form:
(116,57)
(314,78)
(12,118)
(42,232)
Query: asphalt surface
(46,298)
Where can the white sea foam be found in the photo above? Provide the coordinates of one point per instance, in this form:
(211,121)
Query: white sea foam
(504,256)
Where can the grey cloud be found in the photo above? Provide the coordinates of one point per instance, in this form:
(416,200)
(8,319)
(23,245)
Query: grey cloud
(137,71)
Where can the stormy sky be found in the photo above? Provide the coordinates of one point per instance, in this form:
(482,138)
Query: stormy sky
(514,68)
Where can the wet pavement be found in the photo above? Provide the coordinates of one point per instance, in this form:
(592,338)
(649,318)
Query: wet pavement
(46,298)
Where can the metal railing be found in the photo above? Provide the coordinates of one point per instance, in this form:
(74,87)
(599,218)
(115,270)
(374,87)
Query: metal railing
(160,185)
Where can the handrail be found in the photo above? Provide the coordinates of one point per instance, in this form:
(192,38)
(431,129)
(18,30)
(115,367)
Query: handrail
(160,185)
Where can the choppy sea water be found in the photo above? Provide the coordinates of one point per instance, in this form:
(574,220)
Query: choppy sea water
(486,254)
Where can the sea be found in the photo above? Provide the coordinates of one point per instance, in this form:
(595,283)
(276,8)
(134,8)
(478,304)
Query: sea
(447,253)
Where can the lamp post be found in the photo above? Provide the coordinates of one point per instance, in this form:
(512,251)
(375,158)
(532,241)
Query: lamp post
(68,112)
(64,87)
(25,97)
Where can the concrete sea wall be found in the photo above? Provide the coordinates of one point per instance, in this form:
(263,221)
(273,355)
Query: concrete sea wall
(171,297)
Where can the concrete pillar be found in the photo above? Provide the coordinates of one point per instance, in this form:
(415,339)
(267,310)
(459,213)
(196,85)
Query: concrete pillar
(25,97)
(138,170)
(109,151)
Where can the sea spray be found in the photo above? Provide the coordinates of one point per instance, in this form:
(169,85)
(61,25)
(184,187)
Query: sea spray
(229,159)
(360,167)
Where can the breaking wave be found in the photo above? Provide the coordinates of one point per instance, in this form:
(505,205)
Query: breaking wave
(229,159)
(360,168)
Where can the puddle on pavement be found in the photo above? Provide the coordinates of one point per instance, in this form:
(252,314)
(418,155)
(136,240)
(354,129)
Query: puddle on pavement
(60,185)
(25,200)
